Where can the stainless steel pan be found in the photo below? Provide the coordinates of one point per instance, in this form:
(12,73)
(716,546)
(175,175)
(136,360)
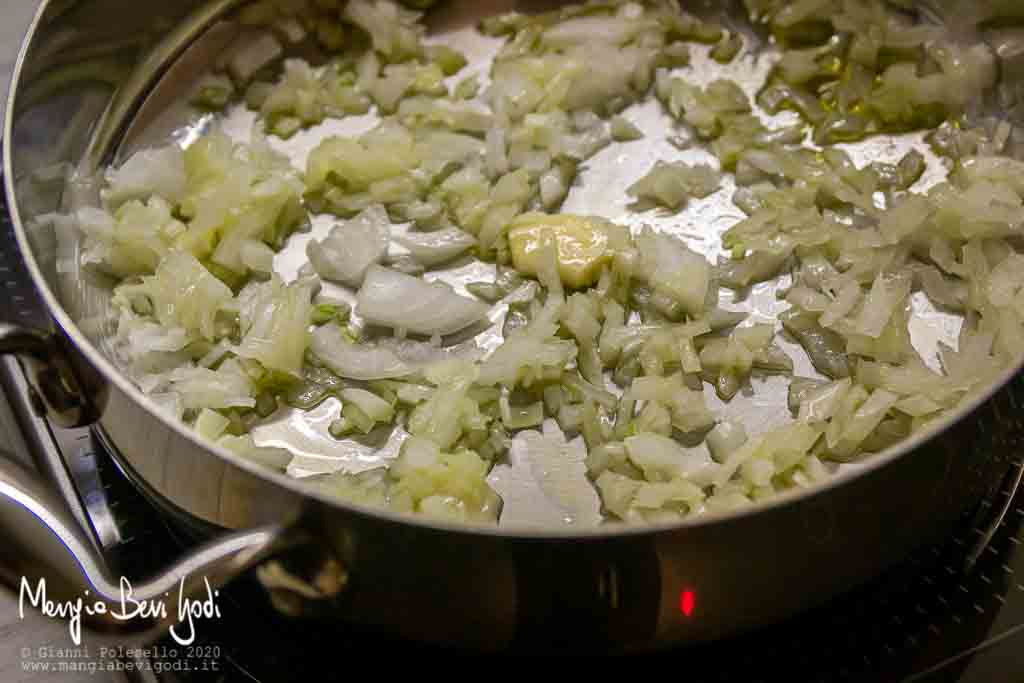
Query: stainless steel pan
(99,77)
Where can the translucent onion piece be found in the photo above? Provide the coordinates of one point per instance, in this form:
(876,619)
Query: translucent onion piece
(392,299)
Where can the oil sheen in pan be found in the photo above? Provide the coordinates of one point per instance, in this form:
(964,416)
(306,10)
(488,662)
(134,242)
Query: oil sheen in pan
(600,190)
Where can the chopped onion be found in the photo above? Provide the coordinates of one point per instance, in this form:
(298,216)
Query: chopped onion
(545,482)
(434,248)
(370,404)
(352,247)
(274,319)
(183,292)
(395,300)
(146,173)
(252,56)
(356,361)
(726,437)
(662,458)
(672,184)
(820,403)
(672,268)
(887,293)
(227,387)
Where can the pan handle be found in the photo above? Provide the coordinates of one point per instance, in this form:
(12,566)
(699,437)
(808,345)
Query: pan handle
(57,390)
(48,562)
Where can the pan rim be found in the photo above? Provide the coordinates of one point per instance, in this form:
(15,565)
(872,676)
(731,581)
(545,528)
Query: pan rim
(870,467)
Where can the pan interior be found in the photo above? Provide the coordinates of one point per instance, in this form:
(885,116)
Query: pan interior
(165,115)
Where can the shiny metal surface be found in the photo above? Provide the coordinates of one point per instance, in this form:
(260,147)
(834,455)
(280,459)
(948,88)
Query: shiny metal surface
(55,384)
(22,306)
(483,586)
(43,542)
(171,467)
(164,115)
(40,441)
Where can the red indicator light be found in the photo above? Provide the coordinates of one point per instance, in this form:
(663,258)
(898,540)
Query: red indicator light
(687,602)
